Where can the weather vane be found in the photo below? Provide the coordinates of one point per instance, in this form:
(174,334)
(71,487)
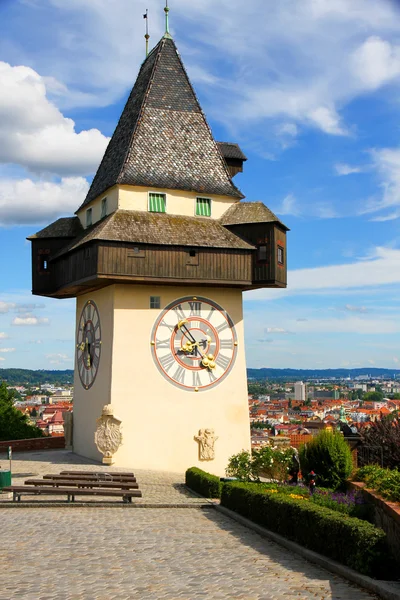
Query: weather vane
(147,36)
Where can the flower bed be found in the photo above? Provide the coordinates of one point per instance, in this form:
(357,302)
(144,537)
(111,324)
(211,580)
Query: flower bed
(385,481)
(352,542)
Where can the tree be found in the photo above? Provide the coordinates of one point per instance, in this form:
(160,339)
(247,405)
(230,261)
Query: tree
(373,397)
(382,438)
(13,424)
(329,456)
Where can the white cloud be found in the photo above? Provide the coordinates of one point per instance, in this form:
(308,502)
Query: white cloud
(5,307)
(26,201)
(343,169)
(36,135)
(376,62)
(7,350)
(359,309)
(58,359)
(298,71)
(276,330)
(3,335)
(30,321)
(381,267)
(289,206)
(1,358)
(386,162)
(35,342)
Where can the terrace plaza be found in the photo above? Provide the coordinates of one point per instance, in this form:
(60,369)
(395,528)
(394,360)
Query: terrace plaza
(168,544)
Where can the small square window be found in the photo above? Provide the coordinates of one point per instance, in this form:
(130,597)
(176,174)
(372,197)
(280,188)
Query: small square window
(157,203)
(281,256)
(262,253)
(104,208)
(88,217)
(155,302)
(203,207)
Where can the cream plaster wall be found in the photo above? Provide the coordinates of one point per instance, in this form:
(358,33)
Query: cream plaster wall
(136,198)
(159,420)
(112,205)
(178,202)
(88,404)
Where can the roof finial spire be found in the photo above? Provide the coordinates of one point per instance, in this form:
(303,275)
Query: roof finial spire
(166,10)
(147,36)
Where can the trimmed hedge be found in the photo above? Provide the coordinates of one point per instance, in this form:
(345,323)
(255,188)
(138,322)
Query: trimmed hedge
(203,483)
(348,540)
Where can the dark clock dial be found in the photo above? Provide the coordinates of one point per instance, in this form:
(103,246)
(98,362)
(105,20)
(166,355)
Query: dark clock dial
(88,344)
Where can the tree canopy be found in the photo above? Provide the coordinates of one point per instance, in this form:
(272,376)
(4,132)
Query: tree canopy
(13,424)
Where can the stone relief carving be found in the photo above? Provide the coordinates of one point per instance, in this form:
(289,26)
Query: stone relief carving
(108,436)
(206,439)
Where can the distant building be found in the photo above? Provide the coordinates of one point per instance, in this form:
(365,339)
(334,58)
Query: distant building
(300,390)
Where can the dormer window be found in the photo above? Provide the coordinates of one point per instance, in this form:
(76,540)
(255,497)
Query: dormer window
(89,220)
(203,207)
(157,202)
(104,208)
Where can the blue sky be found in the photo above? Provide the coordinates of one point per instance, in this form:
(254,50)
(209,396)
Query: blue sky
(310,90)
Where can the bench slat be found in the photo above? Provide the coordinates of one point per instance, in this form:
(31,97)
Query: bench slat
(89,478)
(119,474)
(122,485)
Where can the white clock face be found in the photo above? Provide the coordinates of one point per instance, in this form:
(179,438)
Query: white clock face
(194,343)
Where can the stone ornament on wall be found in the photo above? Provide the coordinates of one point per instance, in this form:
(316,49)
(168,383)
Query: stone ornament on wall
(108,436)
(206,439)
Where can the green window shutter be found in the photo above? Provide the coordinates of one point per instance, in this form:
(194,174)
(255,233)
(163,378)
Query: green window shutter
(157,203)
(203,207)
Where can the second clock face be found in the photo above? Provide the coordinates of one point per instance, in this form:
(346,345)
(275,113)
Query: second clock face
(194,343)
(88,344)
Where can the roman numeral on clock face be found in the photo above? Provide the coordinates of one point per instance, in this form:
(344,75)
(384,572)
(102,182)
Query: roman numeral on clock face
(196,381)
(179,375)
(222,361)
(226,344)
(195,309)
(167,361)
(179,312)
(163,343)
(223,326)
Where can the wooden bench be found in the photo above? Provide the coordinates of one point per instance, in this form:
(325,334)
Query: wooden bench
(95,473)
(103,477)
(83,483)
(19,490)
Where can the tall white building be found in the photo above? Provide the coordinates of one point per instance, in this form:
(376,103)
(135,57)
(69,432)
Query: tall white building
(300,391)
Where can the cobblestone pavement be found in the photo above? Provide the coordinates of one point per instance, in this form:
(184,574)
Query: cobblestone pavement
(107,553)
(55,553)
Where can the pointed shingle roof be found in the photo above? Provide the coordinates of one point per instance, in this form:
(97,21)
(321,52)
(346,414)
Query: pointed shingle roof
(162,139)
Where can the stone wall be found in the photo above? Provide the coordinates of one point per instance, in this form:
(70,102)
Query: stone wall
(386,516)
(45,443)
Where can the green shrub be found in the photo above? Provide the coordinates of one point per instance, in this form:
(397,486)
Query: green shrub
(241,466)
(13,424)
(385,481)
(329,456)
(352,542)
(203,483)
(269,461)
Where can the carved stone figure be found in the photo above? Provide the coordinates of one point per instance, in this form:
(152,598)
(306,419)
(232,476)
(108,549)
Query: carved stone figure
(68,426)
(108,436)
(206,439)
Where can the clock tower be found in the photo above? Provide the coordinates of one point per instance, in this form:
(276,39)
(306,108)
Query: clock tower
(158,256)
